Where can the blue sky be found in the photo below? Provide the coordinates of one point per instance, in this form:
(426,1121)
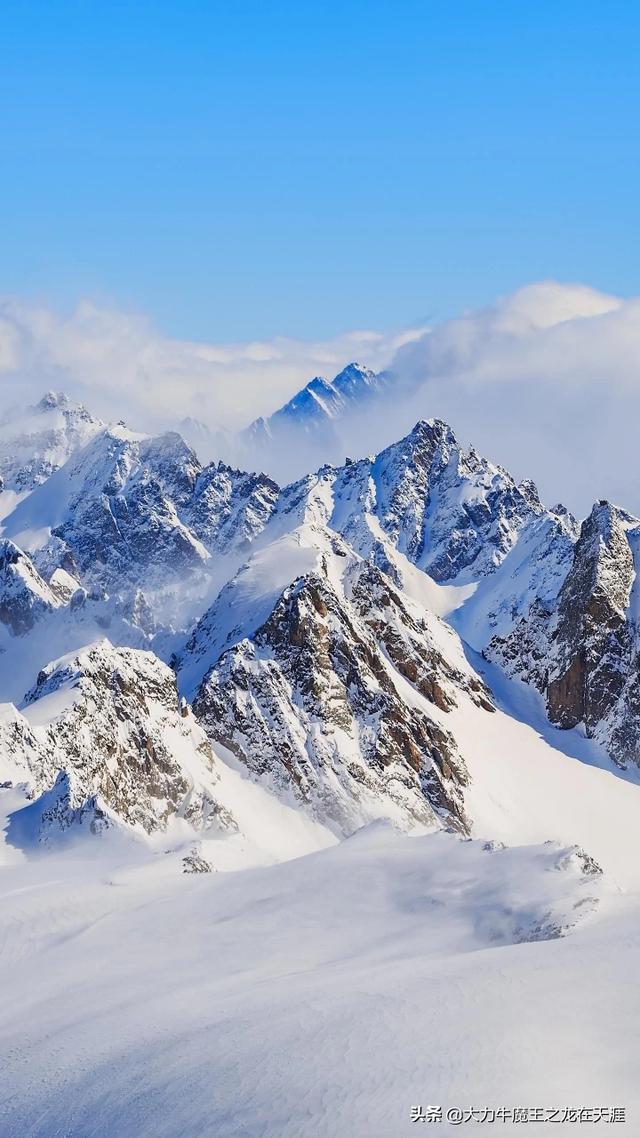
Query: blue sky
(245,170)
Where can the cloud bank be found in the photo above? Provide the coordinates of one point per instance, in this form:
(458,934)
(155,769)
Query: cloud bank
(121,365)
(545,381)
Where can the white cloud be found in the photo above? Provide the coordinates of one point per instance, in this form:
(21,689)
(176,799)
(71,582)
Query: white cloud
(121,365)
(546,380)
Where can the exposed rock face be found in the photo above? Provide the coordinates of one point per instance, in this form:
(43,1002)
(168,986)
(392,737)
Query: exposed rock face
(229,507)
(452,513)
(20,747)
(512,615)
(318,702)
(595,673)
(123,518)
(194,862)
(592,637)
(24,595)
(61,812)
(109,719)
(129,511)
(407,642)
(582,650)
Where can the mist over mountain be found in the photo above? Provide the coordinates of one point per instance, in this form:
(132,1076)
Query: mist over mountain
(543,379)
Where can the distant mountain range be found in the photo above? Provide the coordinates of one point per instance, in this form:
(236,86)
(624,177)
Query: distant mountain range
(320,402)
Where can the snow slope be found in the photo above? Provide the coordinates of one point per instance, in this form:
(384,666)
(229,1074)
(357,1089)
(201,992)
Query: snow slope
(321,998)
(327,995)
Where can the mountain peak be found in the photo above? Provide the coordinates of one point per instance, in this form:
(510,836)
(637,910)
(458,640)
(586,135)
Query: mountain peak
(432,428)
(605,522)
(605,514)
(313,409)
(352,377)
(53,399)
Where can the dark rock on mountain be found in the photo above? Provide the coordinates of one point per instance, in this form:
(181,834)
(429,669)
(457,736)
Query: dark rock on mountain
(24,596)
(591,636)
(593,677)
(453,513)
(109,718)
(230,507)
(582,650)
(129,511)
(315,703)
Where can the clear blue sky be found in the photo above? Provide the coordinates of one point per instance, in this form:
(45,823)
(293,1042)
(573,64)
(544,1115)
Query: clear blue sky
(250,169)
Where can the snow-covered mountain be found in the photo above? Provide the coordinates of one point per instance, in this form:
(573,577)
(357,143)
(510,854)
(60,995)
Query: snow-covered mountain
(322,400)
(308,429)
(35,441)
(331,695)
(202,671)
(102,742)
(453,514)
(580,645)
(324,630)
(130,507)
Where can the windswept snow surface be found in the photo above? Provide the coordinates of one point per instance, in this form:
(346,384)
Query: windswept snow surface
(320,998)
(325,996)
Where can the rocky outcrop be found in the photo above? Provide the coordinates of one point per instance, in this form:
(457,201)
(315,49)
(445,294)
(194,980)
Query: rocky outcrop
(581,649)
(453,513)
(59,813)
(329,700)
(124,516)
(592,638)
(101,737)
(406,639)
(449,511)
(511,617)
(130,512)
(229,507)
(595,661)
(24,596)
